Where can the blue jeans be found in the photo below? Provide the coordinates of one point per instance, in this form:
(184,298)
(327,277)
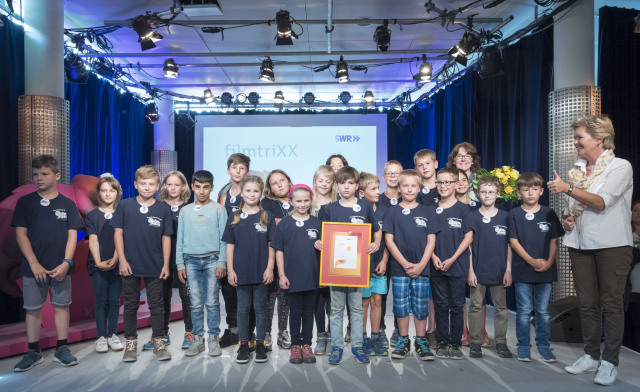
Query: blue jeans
(302,306)
(352,297)
(533,297)
(107,289)
(255,294)
(203,293)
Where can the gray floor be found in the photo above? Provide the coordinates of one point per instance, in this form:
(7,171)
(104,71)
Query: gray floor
(102,372)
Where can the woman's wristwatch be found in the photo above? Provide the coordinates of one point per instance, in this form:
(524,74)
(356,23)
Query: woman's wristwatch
(570,189)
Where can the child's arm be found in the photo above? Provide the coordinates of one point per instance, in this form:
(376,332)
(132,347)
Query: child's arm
(464,245)
(553,246)
(27,251)
(472,279)
(118,239)
(381,269)
(517,247)
(284,282)
(415,270)
(221,267)
(94,248)
(182,272)
(60,271)
(231,274)
(166,253)
(267,276)
(507,280)
(375,245)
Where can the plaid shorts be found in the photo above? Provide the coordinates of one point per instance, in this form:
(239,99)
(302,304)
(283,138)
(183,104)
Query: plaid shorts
(411,295)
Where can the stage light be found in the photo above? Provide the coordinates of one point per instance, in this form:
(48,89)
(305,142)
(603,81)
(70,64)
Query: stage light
(424,75)
(146,35)
(382,36)
(170,69)
(285,32)
(74,68)
(345,97)
(490,62)
(152,112)
(404,119)
(253,98)
(342,71)
(209,98)
(266,70)
(465,47)
(278,100)
(309,98)
(368,99)
(226,98)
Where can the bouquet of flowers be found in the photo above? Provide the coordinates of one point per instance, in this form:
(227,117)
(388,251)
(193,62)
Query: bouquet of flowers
(507,176)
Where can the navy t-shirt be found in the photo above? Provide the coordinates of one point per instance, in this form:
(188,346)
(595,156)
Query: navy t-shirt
(175,215)
(48,226)
(251,246)
(301,259)
(277,208)
(142,233)
(231,203)
(362,212)
(490,244)
(410,229)
(451,233)
(376,258)
(99,223)
(474,205)
(428,196)
(387,201)
(534,233)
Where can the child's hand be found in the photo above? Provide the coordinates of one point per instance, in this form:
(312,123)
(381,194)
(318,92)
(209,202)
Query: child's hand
(472,279)
(538,263)
(506,280)
(373,248)
(39,272)
(545,266)
(221,273)
(318,245)
(436,262)
(125,268)
(232,278)
(59,272)
(267,276)
(447,264)
(164,274)
(182,275)
(381,269)
(284,282)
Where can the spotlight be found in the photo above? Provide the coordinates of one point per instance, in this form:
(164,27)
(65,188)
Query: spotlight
(368,99)
(465,47)
(253,98)
(74,68)
(170,69)
(490,62)
(266,70)
(382,36)
(278,100)
(342,71)
(424,75)
(226,98)
(152,112)
(309,98)
(345,97)
(209,98)
(285,32)
(404,119)
(146,35)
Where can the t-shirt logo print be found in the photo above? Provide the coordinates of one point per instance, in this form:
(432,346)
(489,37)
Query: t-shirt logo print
(313,233)
(380,224)
(61,214)
(500,230)
(420,222)
(357,219)
(454,223)
(260,228)
(544,226)
(154,222)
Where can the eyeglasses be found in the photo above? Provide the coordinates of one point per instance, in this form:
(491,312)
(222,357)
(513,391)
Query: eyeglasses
(445,183)
(393,174)
(463,157)
(487,193)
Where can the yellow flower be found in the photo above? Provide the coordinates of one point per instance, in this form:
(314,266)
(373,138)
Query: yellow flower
(515,173)
(505,168)
(508,190)
(498,174)
(505,180)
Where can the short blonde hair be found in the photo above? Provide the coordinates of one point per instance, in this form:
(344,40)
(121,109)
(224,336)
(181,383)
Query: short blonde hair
(327,171)
(367,179)
(392,162)
(599,127)
(146,172)
(424,153)
(412,174)
(186,193)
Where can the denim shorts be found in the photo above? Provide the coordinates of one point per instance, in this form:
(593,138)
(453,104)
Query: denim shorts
(377,285)
(411,295)
(35,293)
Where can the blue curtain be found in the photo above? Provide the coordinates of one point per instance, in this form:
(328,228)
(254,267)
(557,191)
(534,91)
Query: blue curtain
(109,132)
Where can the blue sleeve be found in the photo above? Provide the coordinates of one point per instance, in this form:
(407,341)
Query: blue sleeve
(167,221)
(90,225)
(229,234)
(19,215)
(556,225)
(74,221)
(118,217)
(277,242)
(468,223)
(323,214)
(434,227)
(388,225)
(271,228)
(511,224)
(371,215)
(180,240)
(222,224)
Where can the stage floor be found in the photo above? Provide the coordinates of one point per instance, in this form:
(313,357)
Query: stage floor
(102,372)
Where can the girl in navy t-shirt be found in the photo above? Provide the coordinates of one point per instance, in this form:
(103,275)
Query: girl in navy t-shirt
(250,263)
(299,267)
(102,264)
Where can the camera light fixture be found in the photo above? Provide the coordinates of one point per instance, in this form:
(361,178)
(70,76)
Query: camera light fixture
(253,98)
(209,98)
(309,98)
(170,69)
(74,68)
(146,35)
(152,112)
(368,99)
(278,100)
(345,97)
(490,63)
(469,43)
(226,98)
(285,32)
(266,70)
(342,71)
(424,75)
(382,36)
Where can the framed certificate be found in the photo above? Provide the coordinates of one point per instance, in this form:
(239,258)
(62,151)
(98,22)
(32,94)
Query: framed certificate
(344,260)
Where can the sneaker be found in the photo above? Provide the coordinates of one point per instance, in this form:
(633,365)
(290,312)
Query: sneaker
(486,342)
(261,352)
(607,373)
(433,341)
(403,346)
(187,341)
(503,351)
(465,338)
(114,343)
(196,347)
(378,349)
(131,350)
(383,338)
(367,347)
(524,354)
(284,340)
(347,336)
(321,344)
(213,341)
(228,338)
(546,353)
(455,353)
(243,352)
(160,349)
(475,350)
(30,359)
(268,342)
(64,356)
(101,345)
(442,351)
(360,355)
(394,338)
(307,354)
(584,364)
(422,349)
(149,345)
(296,354)
(336,356)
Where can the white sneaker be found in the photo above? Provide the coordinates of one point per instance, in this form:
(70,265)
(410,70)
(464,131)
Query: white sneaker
(584,364)
(607,373)
(114,343)
(101,345)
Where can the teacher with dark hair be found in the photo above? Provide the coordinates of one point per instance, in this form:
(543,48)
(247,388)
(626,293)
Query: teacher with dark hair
(600,242)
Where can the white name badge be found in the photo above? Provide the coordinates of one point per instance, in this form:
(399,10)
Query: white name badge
(406,211)
(197,208)
(232,199)
(174,208)
(425,190)
(439,210)
(299,223)
(357,208)
(394,201)
(45,202)
(144,209)
(108,215)
(244,215)
(486,219)
(529,216)
(286,206)
(472,203)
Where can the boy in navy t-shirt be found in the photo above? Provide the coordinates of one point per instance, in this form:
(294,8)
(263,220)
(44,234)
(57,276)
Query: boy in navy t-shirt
(143,228)
(450,266)
(533,234)
(352,210)
(410,233)
(46,225)
(426,164)
(491,266)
